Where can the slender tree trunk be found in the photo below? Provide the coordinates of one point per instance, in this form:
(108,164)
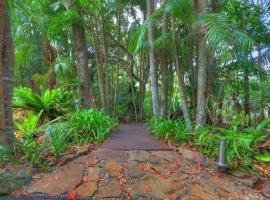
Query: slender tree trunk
(202,68)
(6,79)
(180,75)
(152,61)
(106,60)
(83,72)
(118,57)
(261,90)
(192,75)
(101,80)
(164,71)
(246,91)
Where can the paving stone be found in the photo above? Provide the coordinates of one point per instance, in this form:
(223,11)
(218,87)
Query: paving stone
(154,185)
(12,180)
(166,155)
(114,168)
(93,173)
(113,189)
(134,170)
(58,183)
(203,193)
(190,154)
(86,189)
(140,156)
(108,154)
(248,181)
(266,190)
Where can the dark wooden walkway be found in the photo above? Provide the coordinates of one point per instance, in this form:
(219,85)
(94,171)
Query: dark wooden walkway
(134,137)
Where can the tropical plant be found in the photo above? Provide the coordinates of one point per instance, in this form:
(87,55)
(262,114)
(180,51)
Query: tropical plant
(52,103)
(90,125)
(168,129)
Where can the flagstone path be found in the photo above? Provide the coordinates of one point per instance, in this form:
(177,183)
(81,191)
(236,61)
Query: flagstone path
(132,165)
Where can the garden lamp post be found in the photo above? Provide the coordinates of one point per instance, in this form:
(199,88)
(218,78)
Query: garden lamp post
(222,164)
(77,103)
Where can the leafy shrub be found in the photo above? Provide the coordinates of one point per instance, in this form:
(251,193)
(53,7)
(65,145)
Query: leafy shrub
(53,103)
(90,125)
(241,144)
(168,129)
(27,126)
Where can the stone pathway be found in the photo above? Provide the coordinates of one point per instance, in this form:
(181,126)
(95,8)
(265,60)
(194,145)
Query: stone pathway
(125,174)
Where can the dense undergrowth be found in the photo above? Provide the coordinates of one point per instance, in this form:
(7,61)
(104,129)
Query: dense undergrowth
(47,125)
(242,147)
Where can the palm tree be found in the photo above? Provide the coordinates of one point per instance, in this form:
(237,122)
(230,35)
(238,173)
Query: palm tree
(152,62)
(6,78)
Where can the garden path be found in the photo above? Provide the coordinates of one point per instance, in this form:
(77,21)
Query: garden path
(132,165)
(134,137)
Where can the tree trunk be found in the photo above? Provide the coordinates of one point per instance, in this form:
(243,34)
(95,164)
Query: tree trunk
(201,95)
(164,71)
(106,60)
(246,91)
(180,75)
(82,65)
(118,57)
(101,80)
(152,61)
(6,79)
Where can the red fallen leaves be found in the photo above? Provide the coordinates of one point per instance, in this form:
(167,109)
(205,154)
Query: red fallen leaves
(71,195)
(101,178)
(122,180)
(46,185)
(122,169)
(164,176)
(85,179)
(175,196)
(184,198)
(128,197)
(40,138)
(142,166)
(218,175)
(148,188)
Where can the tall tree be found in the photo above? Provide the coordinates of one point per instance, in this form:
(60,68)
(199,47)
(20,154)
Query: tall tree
(164,71)
(6,78)
(83,72)
(202,68)
(152,62)
(181,82)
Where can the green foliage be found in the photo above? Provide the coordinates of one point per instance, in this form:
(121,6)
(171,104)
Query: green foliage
(5,151)
(241,144)
(28,126)
(168,129)
(53,102)
(264,157)
(90,125)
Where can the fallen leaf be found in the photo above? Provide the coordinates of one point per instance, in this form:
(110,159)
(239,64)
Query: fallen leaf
(142,166)
(166,198)
(175,196)
(128,197)
(218,175)
(122,180)
(199,166)
(101,178)
(40,138)
(164,176)
(71,195)
(148,188)
(85,179)
(184,198)
(46,185)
